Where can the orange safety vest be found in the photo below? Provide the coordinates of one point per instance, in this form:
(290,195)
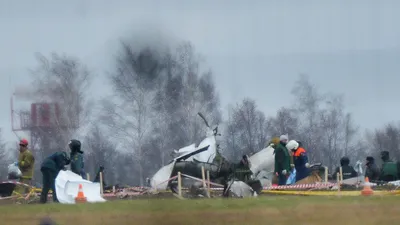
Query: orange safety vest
(298,152)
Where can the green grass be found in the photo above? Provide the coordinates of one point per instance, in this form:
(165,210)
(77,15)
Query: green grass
(263,210)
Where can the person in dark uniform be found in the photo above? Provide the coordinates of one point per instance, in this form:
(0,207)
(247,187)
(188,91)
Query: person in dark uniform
(76,155)
(389,170)
(50,168)
(242,171)
(372,170)
(347,170)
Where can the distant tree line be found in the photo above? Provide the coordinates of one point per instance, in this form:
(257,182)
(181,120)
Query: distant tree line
(153,108)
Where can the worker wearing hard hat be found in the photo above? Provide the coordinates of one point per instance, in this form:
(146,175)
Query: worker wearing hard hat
(26,163)
(300,159)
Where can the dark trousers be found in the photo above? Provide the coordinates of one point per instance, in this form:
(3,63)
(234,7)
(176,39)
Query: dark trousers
(301,173)
(49,182)
(282,179)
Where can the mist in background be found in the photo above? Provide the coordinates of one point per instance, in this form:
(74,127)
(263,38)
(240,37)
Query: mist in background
(255,50)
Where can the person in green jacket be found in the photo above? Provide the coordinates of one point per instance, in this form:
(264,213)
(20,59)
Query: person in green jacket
(76,155)
(282,160)
(389,171)
(242,170)
(50,168)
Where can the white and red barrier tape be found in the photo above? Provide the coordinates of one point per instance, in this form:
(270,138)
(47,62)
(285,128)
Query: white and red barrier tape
(140,190)
(300,186)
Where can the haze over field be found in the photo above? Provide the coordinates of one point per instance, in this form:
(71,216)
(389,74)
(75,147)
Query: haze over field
(255,49)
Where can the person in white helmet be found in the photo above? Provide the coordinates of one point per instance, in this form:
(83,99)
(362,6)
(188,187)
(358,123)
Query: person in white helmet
(300,159)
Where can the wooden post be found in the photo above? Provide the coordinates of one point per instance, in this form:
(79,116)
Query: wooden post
(101,183)
(88,176)
(203,175)
(341,175)
(208,184)
(338,181)
(179,185)
(326,174)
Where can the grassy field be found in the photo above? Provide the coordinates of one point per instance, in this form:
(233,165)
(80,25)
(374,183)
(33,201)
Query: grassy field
(270,210)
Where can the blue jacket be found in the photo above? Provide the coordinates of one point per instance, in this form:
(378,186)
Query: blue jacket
(300,159)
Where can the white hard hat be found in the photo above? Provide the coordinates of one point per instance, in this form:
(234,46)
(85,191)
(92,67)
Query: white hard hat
(292,145)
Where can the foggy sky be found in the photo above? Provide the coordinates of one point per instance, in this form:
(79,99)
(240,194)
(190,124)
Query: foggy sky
(255,48)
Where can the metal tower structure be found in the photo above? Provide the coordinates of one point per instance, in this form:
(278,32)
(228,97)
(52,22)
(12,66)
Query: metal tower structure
(40,120)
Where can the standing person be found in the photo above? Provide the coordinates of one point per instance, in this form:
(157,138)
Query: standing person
(389,168)
(76,155)
(300,159)
(26,163)
(347,170)
(274,142)
(50,168)
(372,170)
(282,160)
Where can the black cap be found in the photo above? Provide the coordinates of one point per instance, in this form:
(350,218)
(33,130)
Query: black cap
(75,145)
(344,161)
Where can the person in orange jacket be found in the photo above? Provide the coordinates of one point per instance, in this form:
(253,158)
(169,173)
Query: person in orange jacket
(300,159)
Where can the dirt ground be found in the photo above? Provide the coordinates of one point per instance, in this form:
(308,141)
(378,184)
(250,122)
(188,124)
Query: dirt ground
(262,210)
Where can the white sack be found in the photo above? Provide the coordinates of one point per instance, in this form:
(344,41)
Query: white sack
(67,186)
(241,189)
(14,171)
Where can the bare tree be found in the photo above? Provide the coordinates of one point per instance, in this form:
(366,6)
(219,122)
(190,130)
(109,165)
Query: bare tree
(198,94)
(129,113)
(331,124)
(246,129)
(101,152)
(63,82)
(307,105)
(285,122)
(157,98)
(183,90)
(328,131)
(385,139)
(353,145)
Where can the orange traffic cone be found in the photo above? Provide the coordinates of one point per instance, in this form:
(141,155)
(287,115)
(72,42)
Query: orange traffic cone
(80,198)
(367,190)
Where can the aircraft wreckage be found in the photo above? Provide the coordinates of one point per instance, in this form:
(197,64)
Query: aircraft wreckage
(246,178)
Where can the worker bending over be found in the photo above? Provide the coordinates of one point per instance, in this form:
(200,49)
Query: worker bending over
(50,168)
